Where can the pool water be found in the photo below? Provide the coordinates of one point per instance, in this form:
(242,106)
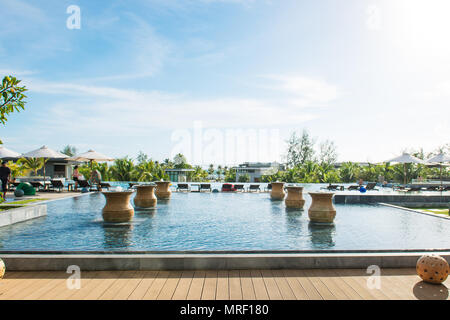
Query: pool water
(223,222)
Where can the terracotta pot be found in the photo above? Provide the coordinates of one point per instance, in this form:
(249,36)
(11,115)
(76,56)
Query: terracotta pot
(322,208)
(162,190)
(145,197)
(277,192)
(118,207)
(294,197)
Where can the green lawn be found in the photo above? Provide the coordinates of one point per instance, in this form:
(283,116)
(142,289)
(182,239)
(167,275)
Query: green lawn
(443,211)
(27,201)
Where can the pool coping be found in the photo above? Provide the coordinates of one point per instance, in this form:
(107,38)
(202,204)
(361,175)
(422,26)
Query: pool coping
(218,261)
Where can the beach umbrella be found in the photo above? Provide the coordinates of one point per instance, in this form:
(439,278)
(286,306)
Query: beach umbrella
(405,158)
(6,153)
(439,159)
(45,153)
(91,156)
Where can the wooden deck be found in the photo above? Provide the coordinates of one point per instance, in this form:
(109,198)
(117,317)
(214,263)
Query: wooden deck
(330,284)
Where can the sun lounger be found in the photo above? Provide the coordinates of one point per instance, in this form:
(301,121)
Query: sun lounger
(38,185)
(182,187)
(254,187)
(239,187)
(56,185)
(447,188)
(85,184)
(371,186)
(268,188)
(205,187)
(227,187)
(130,185)
(350,188)
(411,189)
(333,187)
(105,185)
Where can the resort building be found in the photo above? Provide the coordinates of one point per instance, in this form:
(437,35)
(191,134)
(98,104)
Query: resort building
(179,175)
(255,170)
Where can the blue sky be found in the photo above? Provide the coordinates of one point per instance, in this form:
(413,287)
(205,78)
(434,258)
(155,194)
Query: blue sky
(372,76)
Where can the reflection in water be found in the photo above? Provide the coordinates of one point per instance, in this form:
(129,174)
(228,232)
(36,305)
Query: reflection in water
(276,208)
(117,235)
(428,291)
(322,235)
(293,221)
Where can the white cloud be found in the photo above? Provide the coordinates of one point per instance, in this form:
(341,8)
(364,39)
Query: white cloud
(305,91)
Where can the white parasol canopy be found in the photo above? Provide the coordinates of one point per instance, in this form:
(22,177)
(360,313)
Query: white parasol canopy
(439,159)
(45,152)
(6,153)
(91,155)
(406,158)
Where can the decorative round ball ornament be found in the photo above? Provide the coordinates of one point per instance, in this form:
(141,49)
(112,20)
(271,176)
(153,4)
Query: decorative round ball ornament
(362,190)
(432,268)
(2,268)
(19,193)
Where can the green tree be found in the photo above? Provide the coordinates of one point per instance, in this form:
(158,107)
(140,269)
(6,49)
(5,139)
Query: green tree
(122,169)
(32,164)
(349,172)
(327,154)
(211,169)
(11,98)
(17,169)
(244,178)
(69,150)
(300,150)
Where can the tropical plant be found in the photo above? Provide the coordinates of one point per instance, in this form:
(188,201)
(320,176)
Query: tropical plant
(69,150)
(32,164)
(122,169)
(11,98)
(17,169)
(244,178)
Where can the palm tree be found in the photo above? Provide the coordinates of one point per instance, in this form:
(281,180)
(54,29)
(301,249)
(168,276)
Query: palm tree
(17,170)
(145,171)
(122,169)
(32,164)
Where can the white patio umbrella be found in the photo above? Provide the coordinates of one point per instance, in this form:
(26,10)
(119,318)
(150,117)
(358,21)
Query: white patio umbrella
(405,158)
(45,153)
(439,159)
(6,153)
(91,156)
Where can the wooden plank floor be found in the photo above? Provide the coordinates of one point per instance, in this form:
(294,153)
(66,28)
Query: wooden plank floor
(327,284)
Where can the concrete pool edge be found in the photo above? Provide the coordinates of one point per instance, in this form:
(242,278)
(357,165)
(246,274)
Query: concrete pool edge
(100,262)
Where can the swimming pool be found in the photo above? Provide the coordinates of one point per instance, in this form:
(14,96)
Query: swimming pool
(223,222)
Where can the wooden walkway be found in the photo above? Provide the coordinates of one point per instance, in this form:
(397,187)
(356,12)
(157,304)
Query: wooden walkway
(330,284)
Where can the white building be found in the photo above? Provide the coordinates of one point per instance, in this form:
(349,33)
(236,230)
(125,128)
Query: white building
(256,170)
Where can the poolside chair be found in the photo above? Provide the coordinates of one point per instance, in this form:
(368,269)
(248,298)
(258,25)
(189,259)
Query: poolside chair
(205,187)
(254,187)
(85,184)
(350,188)
(333,187)
(227,187)
(371,186)
(433,188)
(56,185)
(239,187)
(38,185)
(446,188)
(412,189)
(105,185)
(182,187)
(268,188)
(131,185)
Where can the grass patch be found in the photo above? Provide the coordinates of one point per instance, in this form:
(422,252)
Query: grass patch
(443,211)
(4,208)
(27,201)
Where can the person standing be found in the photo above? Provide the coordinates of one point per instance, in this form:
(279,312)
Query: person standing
(76,176)
(5,174)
